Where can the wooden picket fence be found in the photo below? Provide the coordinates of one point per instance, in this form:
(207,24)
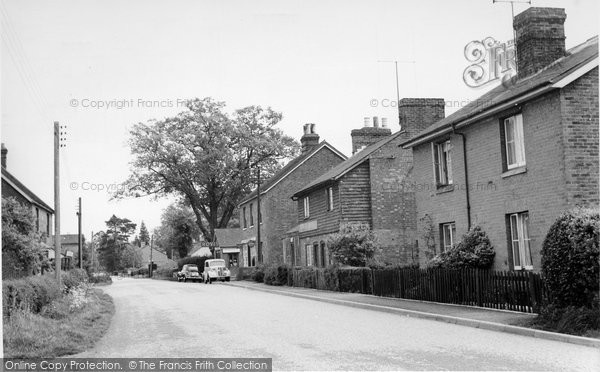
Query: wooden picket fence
(517,291)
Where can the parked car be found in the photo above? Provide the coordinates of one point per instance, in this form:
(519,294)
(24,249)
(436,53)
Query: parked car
(189,272)
(215,270)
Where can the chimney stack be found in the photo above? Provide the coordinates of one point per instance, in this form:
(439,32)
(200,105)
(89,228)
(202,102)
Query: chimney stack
(4,153)
(309,139)
(540,39)
(416,114)
(369,135)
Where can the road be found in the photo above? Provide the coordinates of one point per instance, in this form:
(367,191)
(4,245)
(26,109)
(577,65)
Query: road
(157,318)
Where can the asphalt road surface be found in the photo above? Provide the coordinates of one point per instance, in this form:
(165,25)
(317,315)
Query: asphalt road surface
(156,318)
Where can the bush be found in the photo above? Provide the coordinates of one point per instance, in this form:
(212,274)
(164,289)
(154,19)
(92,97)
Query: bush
(29,294)
(98,278)
(258,274)
(572,319)
(304,276)
(73,278)
(353,245)
(276,275)
(332,278)
(245,273)
(473,251)
(570,256)
(355,279)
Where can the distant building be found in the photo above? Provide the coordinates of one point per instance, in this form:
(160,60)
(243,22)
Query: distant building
(278,211)
(513,165)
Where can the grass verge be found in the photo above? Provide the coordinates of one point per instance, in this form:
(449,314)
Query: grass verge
(60,329)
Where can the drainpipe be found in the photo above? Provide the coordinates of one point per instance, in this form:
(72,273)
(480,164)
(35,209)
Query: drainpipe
(464,146)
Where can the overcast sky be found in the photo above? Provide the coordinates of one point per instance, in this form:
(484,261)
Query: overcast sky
(315,61)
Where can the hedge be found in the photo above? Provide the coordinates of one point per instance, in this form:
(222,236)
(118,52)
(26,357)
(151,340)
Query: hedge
(570,256)
(35,292)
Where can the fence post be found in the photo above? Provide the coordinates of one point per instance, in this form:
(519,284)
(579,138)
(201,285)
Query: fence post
(478,288)
(532,293)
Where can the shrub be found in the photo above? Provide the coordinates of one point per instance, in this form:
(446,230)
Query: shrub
(572,319)
(304,276)
(570,256)
(473,251)
(355,279)
(332,278)
(29,294)
(259,274)
(73,278)
(98,278)
(276,275)
(353,245)
(245,273)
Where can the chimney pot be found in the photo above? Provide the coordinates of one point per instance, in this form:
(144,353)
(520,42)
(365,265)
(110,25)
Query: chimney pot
(367,122)
(4,154)
(310,139)
(375,122)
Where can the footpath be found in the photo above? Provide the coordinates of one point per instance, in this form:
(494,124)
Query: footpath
(471,316)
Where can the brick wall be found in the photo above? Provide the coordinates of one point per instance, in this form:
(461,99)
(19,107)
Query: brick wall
(279,212)
(579,103)
(541,189)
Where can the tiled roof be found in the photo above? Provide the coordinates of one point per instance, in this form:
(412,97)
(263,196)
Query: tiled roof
(561,68)
(283,172)
(228,237)
(24,190)
(339,170)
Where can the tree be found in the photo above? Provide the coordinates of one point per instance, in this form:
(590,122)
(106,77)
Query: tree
(178,230)
(112,243)
(21,244)
(144,236)
(207,157)
(353,245)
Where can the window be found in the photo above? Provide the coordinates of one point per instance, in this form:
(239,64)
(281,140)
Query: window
(244,217)
(448,232)
(330,198)
(322,258)
(309,254)
(514,145)
(48,224)
(37,219)
(306,207)
(251,215)
(519,239)
(442,163)
(259,214)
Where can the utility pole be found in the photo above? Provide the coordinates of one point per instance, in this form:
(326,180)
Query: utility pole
(512,10)
(92,251)
(79,241)
(57,243)
(151,262)
(259,247)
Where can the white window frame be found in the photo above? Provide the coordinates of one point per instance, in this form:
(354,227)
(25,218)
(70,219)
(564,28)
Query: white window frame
(520,241)
(306,207)
(515,147)
(451,229)
(442,162)
(330,198)
(309,254)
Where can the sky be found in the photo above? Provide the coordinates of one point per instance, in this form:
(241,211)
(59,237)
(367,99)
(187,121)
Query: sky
(98,67)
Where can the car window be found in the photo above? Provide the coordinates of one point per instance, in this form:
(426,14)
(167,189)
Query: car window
(217,264)
(193,268)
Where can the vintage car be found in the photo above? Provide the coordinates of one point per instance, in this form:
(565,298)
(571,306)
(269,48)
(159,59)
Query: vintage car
(215,270)
(189,272)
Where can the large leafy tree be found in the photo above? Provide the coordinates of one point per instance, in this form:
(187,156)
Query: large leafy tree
(113,242)
(177,231)
(207,157)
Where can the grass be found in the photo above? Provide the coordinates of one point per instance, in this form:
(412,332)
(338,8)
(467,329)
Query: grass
(573,321)
(65,327)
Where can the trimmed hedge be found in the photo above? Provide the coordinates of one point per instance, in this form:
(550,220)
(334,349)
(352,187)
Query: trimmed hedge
(35,292)
(570,256)
(276,275)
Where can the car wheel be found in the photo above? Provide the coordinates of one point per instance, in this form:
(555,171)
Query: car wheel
(184,280)
(227,279)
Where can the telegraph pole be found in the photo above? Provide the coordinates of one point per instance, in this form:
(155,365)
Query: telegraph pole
(512,10)
(397,88)
(57,243)
(79,241)
(92,253)
(151,262)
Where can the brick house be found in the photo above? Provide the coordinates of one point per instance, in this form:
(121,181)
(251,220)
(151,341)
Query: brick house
(513,165)
(278,211)
(367,189)
(12,187)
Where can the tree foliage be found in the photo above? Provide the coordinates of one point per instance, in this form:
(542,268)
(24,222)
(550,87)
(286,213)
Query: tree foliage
(112,243)
(206,156)
(21,244)
(177,231)
(144,235)
(570,255)
(353,245)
